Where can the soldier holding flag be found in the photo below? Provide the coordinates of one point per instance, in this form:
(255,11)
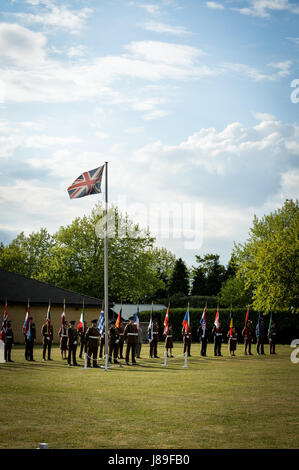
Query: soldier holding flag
(47,334)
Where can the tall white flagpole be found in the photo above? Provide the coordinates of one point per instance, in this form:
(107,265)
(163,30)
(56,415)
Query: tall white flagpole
(106,267)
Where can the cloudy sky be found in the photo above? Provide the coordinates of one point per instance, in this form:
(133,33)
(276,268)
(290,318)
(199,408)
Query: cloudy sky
(194,104)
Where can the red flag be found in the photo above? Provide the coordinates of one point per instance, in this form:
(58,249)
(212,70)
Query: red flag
(246,319)
(48,320)
(166,322)
(26,325)
(62,323)
(4,324)
(118,321)
(81,321)
(216,321)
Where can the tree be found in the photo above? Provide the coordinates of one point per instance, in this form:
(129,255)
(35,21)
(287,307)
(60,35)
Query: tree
(213,271)
(164,264)
(233,292)
(268,261)
(179,282)
(198,282)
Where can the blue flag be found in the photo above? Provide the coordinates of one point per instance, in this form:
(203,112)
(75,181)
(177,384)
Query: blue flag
(259,326)
(101,323)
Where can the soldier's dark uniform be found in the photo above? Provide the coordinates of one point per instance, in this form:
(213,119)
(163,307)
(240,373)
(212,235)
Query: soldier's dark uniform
(83,346)
(169,340)
(121,341)
(203,338)
(8,342)
(272,335)
(47,341)
(260,340)
(187,340)
(232,342)
(154,342)
(29,342)
(72,343)
(131,336)
(113,339)
(247,334)
(92,341)
(63,339)
(218,337)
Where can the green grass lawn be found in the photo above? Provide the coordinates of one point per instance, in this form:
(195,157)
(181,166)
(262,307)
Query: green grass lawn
(225,402)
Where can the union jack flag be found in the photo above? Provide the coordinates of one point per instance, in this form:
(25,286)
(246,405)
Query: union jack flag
(203,321)
(87,183)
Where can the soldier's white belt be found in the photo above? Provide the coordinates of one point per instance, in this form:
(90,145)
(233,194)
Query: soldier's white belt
(8,337)
(218,334)
(133,334)
(92,337)
(64,336)
(155,332)
(169,336)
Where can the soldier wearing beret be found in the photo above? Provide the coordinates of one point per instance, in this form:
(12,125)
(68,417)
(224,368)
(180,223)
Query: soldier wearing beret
(247,334)
(8,342)
(187,340)
(218,338)
(131,336)
(113,340)
(29,341)
(47,340)
(154,342)
(92,342)
(72,343)
(272,334)
(169,340)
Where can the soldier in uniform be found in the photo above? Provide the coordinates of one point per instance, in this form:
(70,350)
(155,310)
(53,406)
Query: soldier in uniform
(203,339)
(272,338)
(92,343)
(8,342)
(187,340)
(247,334)
(29,341)
(82,334)
(72,343)
(169,341)
(131,335)
(121,341)
(47,340)
(63,340)
(154,342)
(260,338)
(113,340)
(232,341)
(218,337)
(139,342)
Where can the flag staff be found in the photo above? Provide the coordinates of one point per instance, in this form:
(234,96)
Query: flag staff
(106,267)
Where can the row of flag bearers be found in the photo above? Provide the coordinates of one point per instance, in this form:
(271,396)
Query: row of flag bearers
(93,337)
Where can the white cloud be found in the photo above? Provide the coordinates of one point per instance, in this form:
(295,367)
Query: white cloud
(56,16)
(215,5)
(283,68)
(76,51)
(264,117)
(165,28)
(152,9)
(263,8)
(20,46)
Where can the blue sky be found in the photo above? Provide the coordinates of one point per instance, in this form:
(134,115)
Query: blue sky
(189,102)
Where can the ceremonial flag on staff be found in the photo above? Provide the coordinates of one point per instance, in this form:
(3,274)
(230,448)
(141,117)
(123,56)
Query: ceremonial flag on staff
(136,318)
(48,320)
(87,183)
(246,320)
(203,321)
(4,324)
(165,332)
(118,320)
(216,321)
(101,322)
(63,320)
(270,324)
(186,321)
(231,324)
(26,326)
(81,321)
(150,335)
(259,326)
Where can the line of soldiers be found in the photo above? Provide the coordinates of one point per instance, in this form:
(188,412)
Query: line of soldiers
(90,339)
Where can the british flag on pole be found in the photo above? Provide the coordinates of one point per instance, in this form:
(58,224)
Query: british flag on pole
(87,183)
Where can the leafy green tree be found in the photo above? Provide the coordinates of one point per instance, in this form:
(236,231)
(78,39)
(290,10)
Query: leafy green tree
(179,282)
(27,255)
(213,271)
(233,292)
(268,260)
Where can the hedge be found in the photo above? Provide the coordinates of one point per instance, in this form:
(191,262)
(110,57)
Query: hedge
(287,323)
